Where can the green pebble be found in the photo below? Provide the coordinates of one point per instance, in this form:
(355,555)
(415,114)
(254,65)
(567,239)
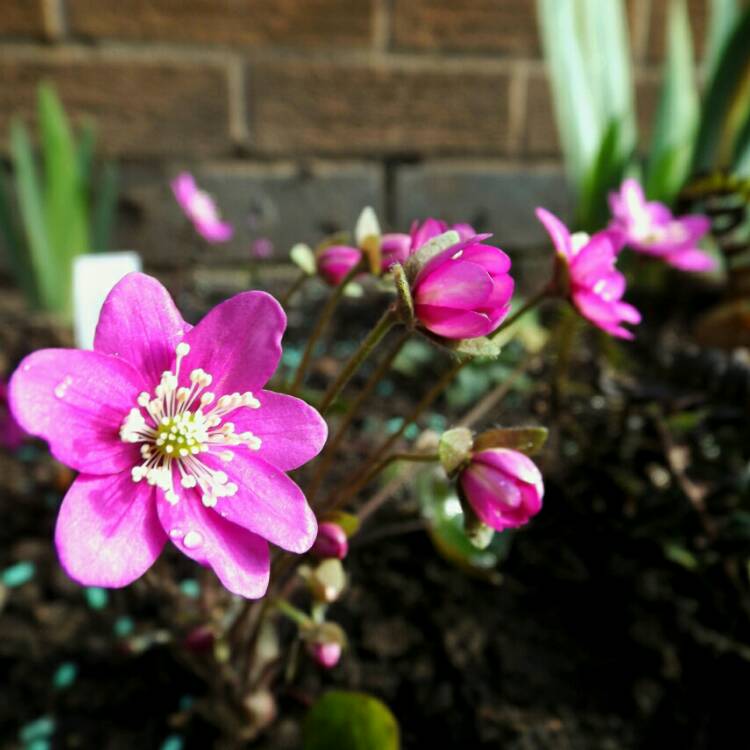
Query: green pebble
(65,675)
(393,425)
(124,626)
(96,597)
(18,574)
(190,588)
(38,745)
(411,432)
(173,742)
(37,729)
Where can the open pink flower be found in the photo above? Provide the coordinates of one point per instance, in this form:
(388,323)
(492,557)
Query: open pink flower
(649,227)
(336,261)
(174,438)
(464,291)
(12,434)
(504,487)
(596,287)
(201,209)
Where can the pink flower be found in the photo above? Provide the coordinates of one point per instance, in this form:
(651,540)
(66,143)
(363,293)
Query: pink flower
(464,291)
(174,438)
(394,248)
(596,288)
(331,541)
(429,228)
(649,227)
(504,487)
(335,262)
(326,654)
(201,209)
(12,434)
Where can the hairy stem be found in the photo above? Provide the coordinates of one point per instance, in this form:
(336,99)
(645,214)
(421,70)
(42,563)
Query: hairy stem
(295,286)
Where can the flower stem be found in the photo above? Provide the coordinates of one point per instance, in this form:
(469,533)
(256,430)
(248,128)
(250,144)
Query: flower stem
(294,614)
(530,304)
(295,286)
(320,325)
(386,322)
(329,452)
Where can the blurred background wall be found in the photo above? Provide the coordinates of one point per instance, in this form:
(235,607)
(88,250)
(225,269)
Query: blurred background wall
(296,113)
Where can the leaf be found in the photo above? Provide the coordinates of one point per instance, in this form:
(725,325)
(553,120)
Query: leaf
(454,449)
(428,251)
(741,154)
(722,94)
(350,721)
(348,522)
(723,16)
(86,143)
(480,346)
(529,440)
(403,290)
(303,257)
(677,113)
(43,260)
(104,208)
(18,259)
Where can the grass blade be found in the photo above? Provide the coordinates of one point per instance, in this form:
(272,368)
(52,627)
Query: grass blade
(18,260)
(104,208)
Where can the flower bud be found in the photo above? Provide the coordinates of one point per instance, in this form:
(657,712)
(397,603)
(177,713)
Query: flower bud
(331,541)
(336,261)
(325,642)
(503,487)
(326,654)
(464,291)
(327,581)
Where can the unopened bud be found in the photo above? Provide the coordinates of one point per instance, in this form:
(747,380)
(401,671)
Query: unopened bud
(331,541)
(325,642)
(327,580)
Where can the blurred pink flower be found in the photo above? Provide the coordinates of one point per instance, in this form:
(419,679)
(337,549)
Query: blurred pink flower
(326,654)
(262,247)
(464,291)
(201,209)
(596,287)
(504,488)
(336,261)
(331,541)
(160,455)
(12,434)
(649,227)
(394,248)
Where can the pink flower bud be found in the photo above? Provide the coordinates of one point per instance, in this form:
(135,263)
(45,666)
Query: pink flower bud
(504,487)
(464,291)
(335,262)
(331,541)
(429,228)
(394,248)
(326,654)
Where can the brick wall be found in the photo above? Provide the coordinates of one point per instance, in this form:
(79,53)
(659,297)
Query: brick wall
(298,112)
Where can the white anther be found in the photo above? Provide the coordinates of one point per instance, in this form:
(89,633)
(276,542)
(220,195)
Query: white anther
(182,349)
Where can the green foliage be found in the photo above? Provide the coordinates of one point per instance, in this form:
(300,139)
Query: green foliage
(59,213)
(355,721)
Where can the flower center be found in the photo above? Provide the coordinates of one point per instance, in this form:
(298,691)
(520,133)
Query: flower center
(179,424)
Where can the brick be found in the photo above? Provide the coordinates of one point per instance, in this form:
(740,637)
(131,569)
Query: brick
(541,131)
(386,107)
(503,26)
(698,12)
(647,92)
(499,199)
(142,107)
(22,18)
(286,204)
(308,23)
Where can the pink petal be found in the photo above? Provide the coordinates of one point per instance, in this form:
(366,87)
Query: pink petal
(268,502)
(184,189)
(513,463)
(455,283)
(691,260)
(452,323)
(77,401)
(492,259)
(140,323)
(239,558)
(632,196)
(594,259)
(628,313)
(696,225)
(394,248)
(238,343)
(557,231)
(107,532)
(492,495)
(424,232)
(291,431)
(214,231)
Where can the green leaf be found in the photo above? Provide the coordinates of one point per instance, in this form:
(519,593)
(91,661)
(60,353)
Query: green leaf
(723,15)
(529,440)
(43,260)
(741,156)
(677,113)
(18,259)
(348,521)
(350,721)
(64,194)
(86,143)
(104,208)
(303,257)
(715,139)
